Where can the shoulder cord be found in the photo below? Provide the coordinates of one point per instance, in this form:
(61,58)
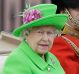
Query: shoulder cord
(75,48)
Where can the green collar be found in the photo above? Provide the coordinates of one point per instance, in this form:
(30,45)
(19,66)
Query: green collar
(35,57)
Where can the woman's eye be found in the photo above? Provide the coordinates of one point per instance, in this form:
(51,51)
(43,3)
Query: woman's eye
(40,32)
(49,33)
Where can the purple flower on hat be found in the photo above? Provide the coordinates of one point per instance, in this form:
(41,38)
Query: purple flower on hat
(31,15)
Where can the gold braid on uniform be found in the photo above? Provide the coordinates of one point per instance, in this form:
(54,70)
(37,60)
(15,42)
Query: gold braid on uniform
(69,29)
(75,48)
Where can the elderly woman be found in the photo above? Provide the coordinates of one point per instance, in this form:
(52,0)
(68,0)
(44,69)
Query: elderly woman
(41,25)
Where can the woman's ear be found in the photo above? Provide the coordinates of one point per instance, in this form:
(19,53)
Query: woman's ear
(62,12)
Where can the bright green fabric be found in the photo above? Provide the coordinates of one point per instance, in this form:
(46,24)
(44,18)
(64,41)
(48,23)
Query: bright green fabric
(24,60)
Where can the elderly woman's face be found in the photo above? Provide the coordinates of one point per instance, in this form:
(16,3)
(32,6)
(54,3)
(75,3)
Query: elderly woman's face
(41,38)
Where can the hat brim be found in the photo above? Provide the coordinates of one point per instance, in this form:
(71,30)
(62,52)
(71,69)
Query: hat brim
(57,20)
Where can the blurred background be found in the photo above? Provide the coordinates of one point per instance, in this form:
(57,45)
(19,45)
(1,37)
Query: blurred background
(9,10)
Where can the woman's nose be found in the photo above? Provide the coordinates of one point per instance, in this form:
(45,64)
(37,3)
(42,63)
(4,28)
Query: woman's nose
(45,37)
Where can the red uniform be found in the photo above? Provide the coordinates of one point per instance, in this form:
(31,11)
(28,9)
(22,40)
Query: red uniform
(66,54)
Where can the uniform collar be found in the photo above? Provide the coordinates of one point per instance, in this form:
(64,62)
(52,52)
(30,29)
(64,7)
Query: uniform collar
(36,59)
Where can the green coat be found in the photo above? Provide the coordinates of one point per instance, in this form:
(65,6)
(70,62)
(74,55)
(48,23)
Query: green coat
(24,60)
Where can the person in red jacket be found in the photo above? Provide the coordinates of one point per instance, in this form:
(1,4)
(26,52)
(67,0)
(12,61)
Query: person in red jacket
(66,46)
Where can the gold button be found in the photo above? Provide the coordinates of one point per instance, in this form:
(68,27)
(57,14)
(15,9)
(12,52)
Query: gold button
(48,68)
(75,34)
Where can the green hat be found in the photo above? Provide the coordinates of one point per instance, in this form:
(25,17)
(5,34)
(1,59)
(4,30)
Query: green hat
(41,15)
